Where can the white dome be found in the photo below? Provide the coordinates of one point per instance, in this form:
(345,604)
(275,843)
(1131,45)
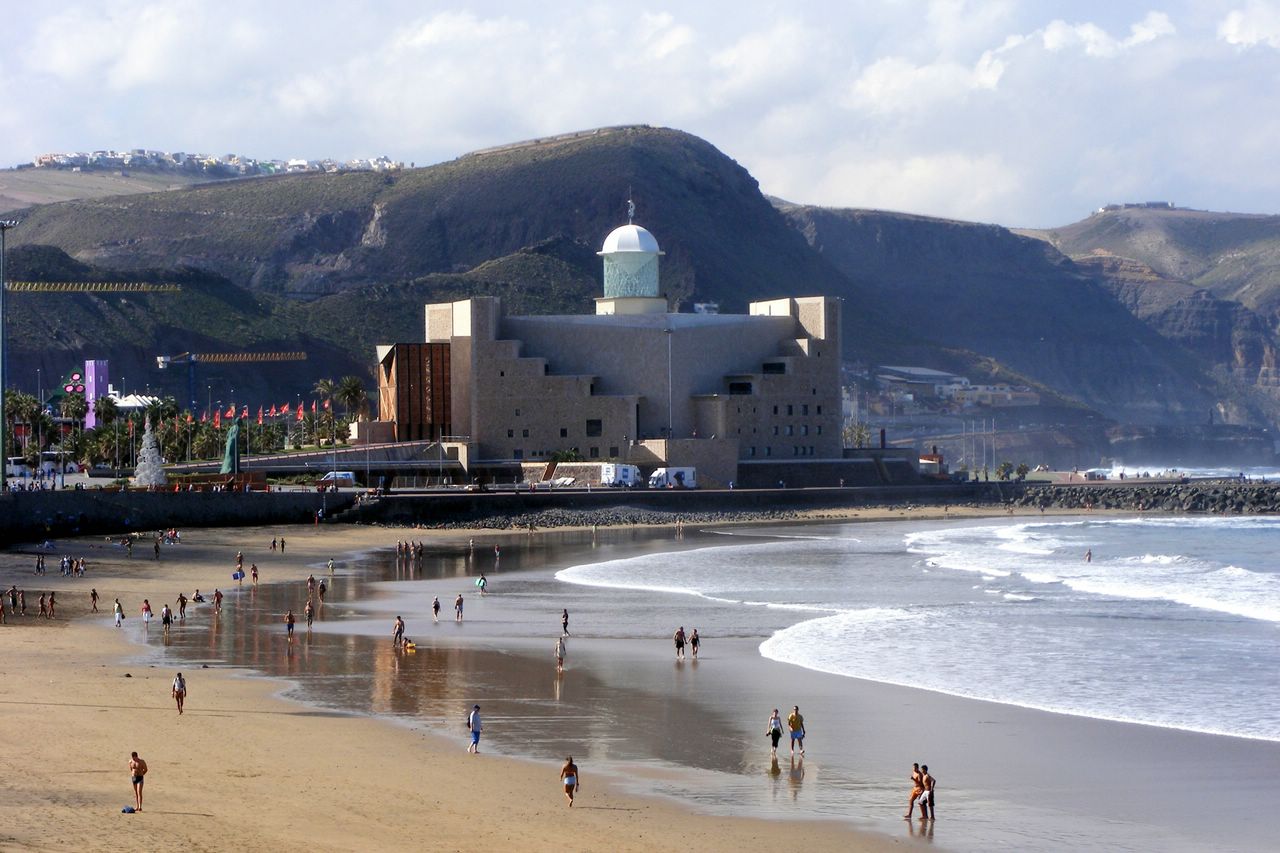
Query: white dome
(630,238)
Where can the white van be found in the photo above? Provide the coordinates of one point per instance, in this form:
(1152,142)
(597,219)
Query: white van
(339,478)
(17,466)
(619,476)
(673,478)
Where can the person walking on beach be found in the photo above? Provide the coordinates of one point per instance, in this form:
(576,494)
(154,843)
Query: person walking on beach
(774,731)
(137,772)
(320,590)
(560,650)
(156,544)
(457,608)
(53,606)
(179,690)
(182,607)
(217,601)
(917,788)
(311,585)
(331,567)
(146,613)
(93,600)
(273,544)
(694,642)
(239,560)
(397,633)
(564,622)
(926,799)
(435,609)
(483,583)
(679,641)
(44,607)
(281,546)
(474,726)
(795,722)
(119,613)
(288,624)
(253,573)
(569,777)
(309,611)
(166,619)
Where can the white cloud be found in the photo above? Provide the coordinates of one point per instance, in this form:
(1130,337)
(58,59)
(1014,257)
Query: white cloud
(1095,41)
(1257,23)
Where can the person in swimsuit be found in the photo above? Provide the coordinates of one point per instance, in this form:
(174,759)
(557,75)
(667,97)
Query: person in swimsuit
(435,609)
(926,799)
(679,641)
(282,545)
(137,772)
(53,606)
(217,601)
(309,611)
(93,599)
(795,722)
(44,608)
(560,649)
(320,590)
(694,642)
(397,633)
(119,613)
(182,607)
(569,777)
(253,573)
(166,618)
(146,613)
(273,544)
(457,608)
(564,621)
(774,731)
(288,624)
(917,788)
(179,690)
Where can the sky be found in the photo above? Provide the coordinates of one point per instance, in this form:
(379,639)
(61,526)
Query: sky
(1020,113)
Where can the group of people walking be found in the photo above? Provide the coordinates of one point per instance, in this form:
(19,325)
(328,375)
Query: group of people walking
(922,785)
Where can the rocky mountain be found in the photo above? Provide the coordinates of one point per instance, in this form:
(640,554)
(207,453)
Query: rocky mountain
(1234,256)
(334,263)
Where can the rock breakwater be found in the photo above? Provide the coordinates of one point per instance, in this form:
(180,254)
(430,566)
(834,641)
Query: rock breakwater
(1213,497)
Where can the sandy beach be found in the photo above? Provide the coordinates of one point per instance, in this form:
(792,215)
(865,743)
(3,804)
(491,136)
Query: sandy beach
(245,769)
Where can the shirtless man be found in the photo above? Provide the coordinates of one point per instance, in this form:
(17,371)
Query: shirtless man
(435,609)
(137,772)
(569,777)
(564,621)
(917,788)
(217,601)
(182,607)
(397,633)
(288,624)
(678,638)
(457,608)
(309,611)
(179,690)
(253,573)
(282,546)
(93,599)
(926,799)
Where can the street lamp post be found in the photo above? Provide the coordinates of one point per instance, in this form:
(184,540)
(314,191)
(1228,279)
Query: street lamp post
(5,225)
(670,416)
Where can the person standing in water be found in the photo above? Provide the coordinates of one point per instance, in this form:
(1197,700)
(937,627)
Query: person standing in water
(560,650)
(694,642)
(774,731)
(435,609)
(397,633)
(678,638)
(288,624)
(569,777)
(457,608)
(917,788)
(474,726)
(926,799)
(795,722)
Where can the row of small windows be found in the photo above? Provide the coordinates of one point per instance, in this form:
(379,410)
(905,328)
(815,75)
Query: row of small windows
(594,428)
(796,450)
(789,430)
(592,453)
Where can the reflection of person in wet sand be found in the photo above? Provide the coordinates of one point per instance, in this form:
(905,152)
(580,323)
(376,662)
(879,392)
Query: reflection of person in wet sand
(796,774)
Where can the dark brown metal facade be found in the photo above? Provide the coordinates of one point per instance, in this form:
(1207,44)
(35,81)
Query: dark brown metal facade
(413,391)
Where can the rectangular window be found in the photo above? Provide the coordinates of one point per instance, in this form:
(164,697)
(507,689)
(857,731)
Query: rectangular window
(524,433)
(739,388)
(768,451)
(752,451)
(819,410)
(804,409)
(791,430)
(595,427)
(775,410)
(613,451)
(819,429)
(511,433)
(774,368)
(790,409)
(595,453)
(804,429)
(775,430)
(564,433)
(517,454)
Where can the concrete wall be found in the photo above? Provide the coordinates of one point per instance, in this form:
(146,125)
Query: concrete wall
(33,516)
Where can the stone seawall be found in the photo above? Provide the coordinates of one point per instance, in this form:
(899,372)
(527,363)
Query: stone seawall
(33,516)
(1210,497)
(613,506)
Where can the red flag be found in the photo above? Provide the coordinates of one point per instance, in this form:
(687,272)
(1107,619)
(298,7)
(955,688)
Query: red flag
(284,410)
(190,417)
(259,416)
(326,405)
(313,407)
(299,414)
(272,413)
(231,411)
(204,416)
(130,426)
(217,419)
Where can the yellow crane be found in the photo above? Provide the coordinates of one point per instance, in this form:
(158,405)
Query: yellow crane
(191,359)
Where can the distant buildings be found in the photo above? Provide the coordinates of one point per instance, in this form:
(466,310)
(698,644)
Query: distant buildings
(224,166)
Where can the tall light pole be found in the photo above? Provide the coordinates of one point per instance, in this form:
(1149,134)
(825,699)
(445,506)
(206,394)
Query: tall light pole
(670,418)
(5,225)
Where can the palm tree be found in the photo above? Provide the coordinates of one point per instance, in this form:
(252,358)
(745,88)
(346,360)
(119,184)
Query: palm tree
(22,408)
(75,407)
(325,389)
(351,394)
(105,409)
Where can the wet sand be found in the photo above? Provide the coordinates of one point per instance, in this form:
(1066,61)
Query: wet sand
(244,768)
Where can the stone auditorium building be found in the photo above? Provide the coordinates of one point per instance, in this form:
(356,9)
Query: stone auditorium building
(752,398)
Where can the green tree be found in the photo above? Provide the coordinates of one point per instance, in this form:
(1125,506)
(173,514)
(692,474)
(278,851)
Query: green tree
(75,407)
(1003,470)
(857,434)
(21,408)
(352,395)
(106,410)
(1022,470)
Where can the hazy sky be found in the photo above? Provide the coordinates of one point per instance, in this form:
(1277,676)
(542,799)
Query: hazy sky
(1022,113)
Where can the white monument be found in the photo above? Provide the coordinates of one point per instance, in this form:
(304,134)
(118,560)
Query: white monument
(150,471)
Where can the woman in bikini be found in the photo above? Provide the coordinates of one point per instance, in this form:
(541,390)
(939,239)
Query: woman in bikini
(569,776)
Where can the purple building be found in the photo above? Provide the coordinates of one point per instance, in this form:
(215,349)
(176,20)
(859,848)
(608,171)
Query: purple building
(95,386)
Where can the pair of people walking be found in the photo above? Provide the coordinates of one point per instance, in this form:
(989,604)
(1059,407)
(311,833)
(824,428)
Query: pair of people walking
(794,724)
(922,785)
(693,641)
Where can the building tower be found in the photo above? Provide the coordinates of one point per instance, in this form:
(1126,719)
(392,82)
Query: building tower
(631,271)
